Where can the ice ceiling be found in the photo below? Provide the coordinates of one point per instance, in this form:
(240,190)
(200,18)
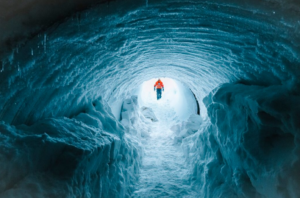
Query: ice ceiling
(109,50)
(199,43)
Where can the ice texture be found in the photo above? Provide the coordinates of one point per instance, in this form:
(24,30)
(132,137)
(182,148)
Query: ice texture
(176,96)
(149,114)
(248,147)
(109,52)
(133,119)
(163,172)
(86,155)
(59,137)
(186,128)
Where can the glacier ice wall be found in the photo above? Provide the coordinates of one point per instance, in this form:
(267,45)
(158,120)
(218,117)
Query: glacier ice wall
(201,44)
(86,155)
(247,145)
(23,19)
(252,149)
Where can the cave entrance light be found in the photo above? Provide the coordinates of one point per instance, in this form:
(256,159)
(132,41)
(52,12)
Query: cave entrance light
(177,98)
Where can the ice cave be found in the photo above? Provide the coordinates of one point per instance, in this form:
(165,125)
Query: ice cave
(79,117)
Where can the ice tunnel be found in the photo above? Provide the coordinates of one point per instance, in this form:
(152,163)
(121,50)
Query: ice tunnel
(74,122)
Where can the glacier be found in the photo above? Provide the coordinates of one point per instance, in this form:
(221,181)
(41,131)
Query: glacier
(78,116)
(87,155)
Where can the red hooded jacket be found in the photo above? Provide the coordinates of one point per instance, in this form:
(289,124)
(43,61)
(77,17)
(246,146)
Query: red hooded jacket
(159,84)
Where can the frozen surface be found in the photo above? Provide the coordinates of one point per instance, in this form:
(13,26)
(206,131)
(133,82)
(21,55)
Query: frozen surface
(249,146)
(110,51)
(164,172)
(177,96)
(86,155)
(60,138)
(149,114)
(186,128)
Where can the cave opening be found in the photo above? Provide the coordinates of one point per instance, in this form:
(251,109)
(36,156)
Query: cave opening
(176,97)
(162,125)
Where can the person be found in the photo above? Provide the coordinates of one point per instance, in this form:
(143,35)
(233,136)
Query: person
(159,86)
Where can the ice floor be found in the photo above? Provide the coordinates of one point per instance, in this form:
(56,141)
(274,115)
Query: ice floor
(163,172)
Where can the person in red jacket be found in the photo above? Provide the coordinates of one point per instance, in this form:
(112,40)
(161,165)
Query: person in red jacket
(159,86)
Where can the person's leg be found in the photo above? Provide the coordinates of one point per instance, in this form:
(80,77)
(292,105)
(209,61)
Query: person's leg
(158,94)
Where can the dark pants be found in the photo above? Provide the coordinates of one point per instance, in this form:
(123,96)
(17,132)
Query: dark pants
(158,91)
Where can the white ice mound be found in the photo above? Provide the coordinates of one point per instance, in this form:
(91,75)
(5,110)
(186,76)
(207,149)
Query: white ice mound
(129,109)
(149,114)
(86,155)
(186,128)
(132,118)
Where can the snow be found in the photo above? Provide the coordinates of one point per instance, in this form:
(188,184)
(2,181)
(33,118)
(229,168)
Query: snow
(175,95)
(164,172)
(79,117)
(186,128)
(252,143)
(88,155)
(149,114)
